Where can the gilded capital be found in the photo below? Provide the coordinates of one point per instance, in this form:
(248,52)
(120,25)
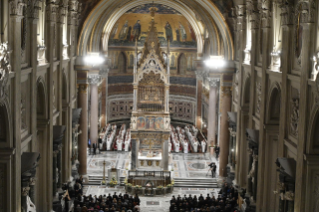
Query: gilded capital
(82,88)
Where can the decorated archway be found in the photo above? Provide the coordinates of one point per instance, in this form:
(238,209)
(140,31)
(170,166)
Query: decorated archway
(103,18)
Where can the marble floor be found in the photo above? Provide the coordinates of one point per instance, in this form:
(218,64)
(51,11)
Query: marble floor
(183,165)
(194,165)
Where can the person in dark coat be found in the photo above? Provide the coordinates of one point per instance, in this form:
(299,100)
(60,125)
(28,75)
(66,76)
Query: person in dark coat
(94,148)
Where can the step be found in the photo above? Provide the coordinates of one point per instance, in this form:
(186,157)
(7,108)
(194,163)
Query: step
(196,183)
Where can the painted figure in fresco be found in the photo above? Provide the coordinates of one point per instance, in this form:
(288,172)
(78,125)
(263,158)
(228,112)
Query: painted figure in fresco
(159,124)
(169,32)
(128,37)
(124,31)
(140,123)
(178,35)
(137,30)
(114,31)
(183,32)
(150,123)
(191,31)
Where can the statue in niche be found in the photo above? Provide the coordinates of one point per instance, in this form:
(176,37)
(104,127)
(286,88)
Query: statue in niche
(294,116)
(22,108)
(53,98)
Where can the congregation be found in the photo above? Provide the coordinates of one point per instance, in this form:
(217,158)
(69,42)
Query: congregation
(110,203)
(225,202)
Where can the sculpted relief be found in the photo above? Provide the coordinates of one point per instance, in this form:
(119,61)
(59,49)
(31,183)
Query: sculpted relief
(294,116)
(5,68)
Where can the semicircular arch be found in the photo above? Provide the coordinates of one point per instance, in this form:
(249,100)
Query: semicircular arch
(313,138)
(42,106)
(246,90)
(107,13)
(273,104)
(6,133)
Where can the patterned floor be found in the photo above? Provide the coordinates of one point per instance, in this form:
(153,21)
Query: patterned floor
(193,165)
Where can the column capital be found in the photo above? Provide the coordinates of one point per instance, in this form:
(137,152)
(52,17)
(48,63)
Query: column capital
(255,20)
(287,13)
(240,13)
(94,79)
(213,82)
(33,9)
(305,11)
(199,75)
(51,10)
(16,8)
(82,88)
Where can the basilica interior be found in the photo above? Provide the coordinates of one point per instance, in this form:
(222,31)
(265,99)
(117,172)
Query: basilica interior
(141,96)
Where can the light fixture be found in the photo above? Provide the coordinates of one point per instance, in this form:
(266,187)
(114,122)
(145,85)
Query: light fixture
(94,59)
(232,150)
(215,62)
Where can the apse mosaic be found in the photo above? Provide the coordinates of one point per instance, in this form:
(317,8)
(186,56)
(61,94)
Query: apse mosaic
(170,24)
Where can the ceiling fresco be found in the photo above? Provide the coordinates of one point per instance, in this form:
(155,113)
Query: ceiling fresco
(170,24)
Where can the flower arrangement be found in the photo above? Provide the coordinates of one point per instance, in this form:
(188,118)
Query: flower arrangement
(103,182)
(138,186)
(173,182)
(113,182)
(128,184)
(169,185)
(160,187)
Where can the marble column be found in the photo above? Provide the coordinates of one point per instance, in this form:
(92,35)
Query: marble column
(167,98)
(83,137)
(94,122)
(165,157)
(211,128)
(16,14)
(134,97)
(224,132)
(199,94)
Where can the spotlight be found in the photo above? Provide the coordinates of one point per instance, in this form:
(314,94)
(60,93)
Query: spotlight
(94,59)
(215,62)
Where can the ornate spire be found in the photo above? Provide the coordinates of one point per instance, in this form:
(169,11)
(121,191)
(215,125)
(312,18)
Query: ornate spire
(152,44)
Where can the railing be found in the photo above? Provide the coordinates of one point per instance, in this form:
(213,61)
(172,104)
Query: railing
(160,174)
